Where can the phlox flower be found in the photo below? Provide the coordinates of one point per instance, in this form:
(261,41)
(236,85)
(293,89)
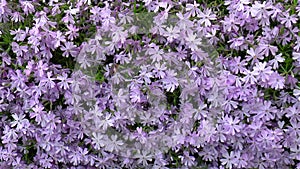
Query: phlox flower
(229,159)
(193,9)
(262,71)
(261,10)
(206,17)
(288,20)
(231,125)
(113,144)
(276,81)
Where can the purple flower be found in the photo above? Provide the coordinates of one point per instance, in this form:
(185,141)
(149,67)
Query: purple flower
(275,62)
(231,125)
(291,113)
(155,52)
(19,121)
(276,81)
(19,50)
(69,49)
(193,9)
(237,65)
(262,71)
(96,15)
(27,7)
(172,33)
(187,160)
(230,23)
(229,159)
(113,144)
(58,38)
(73,32)
(41,68)
(64,81)
(17,17)
(207,17)
(220,96)
(48,81)
(143,156)
(18,79)
(261,10)
(254,55)
(266,48)
(38,112)
(288,20)
(170,82)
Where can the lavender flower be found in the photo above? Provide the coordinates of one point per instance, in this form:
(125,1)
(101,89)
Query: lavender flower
(93,84)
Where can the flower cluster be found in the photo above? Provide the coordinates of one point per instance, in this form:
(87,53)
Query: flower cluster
(149,84)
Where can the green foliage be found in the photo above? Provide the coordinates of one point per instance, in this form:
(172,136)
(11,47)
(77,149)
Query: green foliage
(176,159)
(287,66)
(31,151)
(146,129)
(173,97)
(271,94)
(99,76)
(140,8)
(65,62)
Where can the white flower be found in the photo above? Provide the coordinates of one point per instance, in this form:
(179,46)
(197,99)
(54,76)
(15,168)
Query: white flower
(73,11)
(143,157)
(113,144)
(155,52)
(229,159)
(193,41)
(120,98)
(98,140)
(105,122)
(172,33)
(96,112)
(19,121)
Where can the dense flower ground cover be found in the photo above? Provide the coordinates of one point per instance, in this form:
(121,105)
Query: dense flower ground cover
(149,84)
